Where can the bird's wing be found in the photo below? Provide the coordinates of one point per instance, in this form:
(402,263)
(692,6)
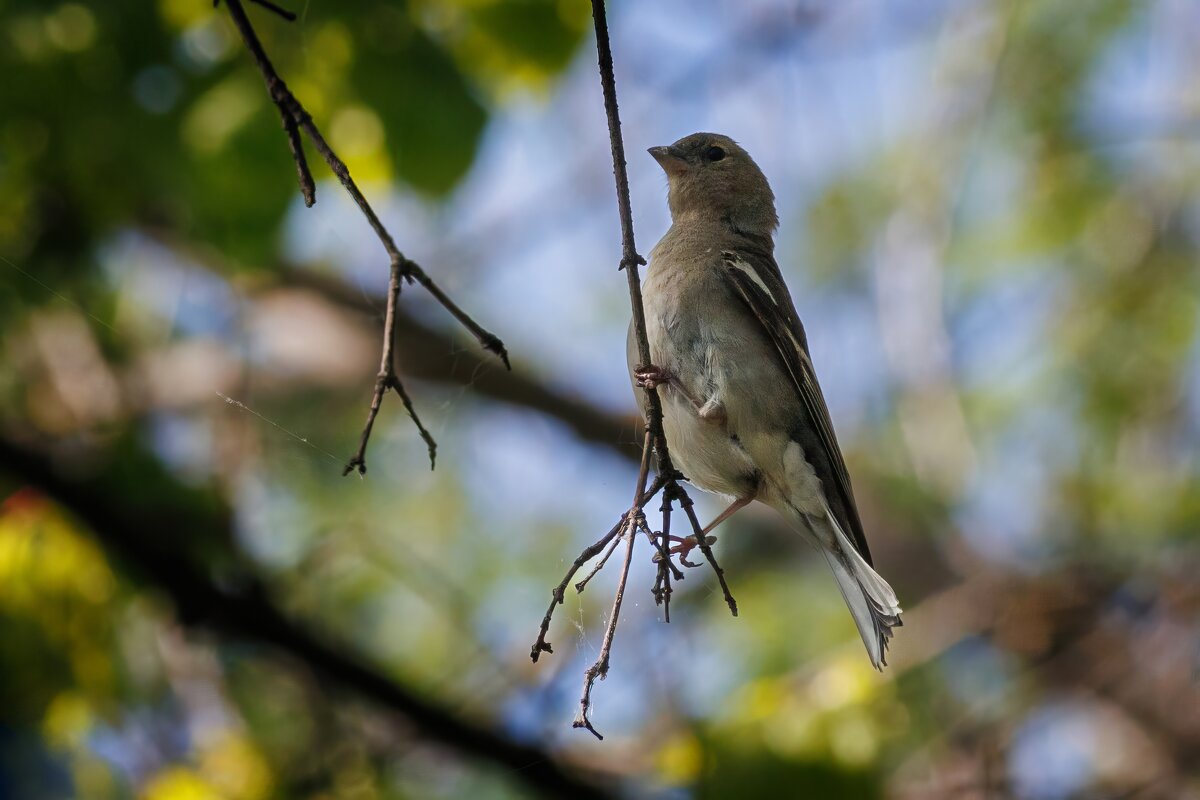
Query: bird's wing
(755,279)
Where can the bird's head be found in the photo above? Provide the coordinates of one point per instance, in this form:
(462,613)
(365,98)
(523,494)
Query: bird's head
(712,178)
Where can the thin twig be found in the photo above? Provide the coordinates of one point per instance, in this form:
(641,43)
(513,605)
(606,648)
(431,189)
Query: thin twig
(425,434)
(662,583)
(487,340)
(283,12)
(600,668)
(702,543)
(559,592)
(308,188)
(581,585)
(556,596)
(387,379)
(296,119)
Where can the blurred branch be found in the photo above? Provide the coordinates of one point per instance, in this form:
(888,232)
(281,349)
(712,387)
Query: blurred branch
(632,521)
(130,522)
(295,119)
(433,355)
(911,263)
(1084,629)
(267,4)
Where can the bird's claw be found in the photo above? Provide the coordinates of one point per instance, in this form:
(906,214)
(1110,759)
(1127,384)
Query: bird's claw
(652,376)
(685,546)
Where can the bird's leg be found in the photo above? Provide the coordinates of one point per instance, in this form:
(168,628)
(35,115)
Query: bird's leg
(734,507)
(652,376)
(689,543)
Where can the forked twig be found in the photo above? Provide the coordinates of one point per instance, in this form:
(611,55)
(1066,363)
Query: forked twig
(581,585)
(387,379)
(632,521)
(296,119)
(590,552)
(600,668)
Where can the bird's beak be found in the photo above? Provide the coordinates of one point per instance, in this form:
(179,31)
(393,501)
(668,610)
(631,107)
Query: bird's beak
(670,158)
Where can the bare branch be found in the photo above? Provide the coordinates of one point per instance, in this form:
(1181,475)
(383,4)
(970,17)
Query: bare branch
(590,552)
(283,12)
(425,434)
(433,355)
(633,521)
(581,585)
(662,583)
(630,260)
(387,379)
(240,607)
(556,597)
(600,668)
(308,188)
(489,341)
(702,543)
(295,119)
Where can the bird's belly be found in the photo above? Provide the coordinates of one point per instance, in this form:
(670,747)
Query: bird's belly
(705,451)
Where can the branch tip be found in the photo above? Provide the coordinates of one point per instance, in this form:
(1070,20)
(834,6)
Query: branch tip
(539,648)
(491,342)
(430,444)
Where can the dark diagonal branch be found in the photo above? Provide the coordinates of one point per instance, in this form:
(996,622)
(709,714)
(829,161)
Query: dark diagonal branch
(633,521)
(307,187)
(296,119)
(129,526)
(267,4)
(702,541)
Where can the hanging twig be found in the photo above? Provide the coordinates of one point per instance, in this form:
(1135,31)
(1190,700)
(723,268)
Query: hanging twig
(703,542)
(296,119)
(600,668)
(632,521)
(559,592)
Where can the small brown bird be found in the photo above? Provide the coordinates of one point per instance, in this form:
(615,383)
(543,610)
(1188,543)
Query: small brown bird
(742,410)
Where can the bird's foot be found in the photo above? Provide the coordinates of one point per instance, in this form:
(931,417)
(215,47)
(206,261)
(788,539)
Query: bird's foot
(652,376)
(686,545)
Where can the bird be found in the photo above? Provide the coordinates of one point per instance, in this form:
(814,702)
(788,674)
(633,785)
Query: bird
(743,414)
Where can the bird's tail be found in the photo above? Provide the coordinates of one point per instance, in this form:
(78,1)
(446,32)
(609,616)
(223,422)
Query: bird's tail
(869,597)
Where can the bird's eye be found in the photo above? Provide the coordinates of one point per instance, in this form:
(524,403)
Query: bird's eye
(714,154)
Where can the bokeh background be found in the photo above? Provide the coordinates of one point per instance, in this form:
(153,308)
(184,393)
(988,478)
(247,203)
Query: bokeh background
(990,229)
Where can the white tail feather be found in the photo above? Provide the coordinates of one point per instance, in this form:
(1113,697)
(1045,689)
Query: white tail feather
(869,597)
